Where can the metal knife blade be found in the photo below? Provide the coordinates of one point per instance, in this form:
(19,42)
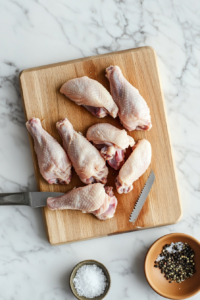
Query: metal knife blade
(142,198)
(32,199)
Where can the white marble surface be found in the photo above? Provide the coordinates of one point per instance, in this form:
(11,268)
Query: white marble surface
(38,32)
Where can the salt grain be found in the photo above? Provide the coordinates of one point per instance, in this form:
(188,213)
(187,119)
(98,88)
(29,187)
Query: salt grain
(179,246)
(90,281)
(160,258)
(170,249)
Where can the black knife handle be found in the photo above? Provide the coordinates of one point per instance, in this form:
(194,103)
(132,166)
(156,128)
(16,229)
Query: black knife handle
(12,199)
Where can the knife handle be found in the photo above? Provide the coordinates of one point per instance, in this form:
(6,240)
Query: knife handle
(13,199)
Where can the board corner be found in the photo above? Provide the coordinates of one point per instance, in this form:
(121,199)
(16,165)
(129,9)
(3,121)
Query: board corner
(151,49)
(21,75)
(45,226)
(179,217)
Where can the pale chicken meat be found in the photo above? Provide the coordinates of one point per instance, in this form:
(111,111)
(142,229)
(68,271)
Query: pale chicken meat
(92,95)
(94,198)
(53,161)
(111,142)
(85,158)
(133,112)
(134,167)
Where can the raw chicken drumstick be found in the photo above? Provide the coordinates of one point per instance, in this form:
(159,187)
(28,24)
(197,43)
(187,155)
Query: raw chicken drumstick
(94,198)
(134,167)
(85,158)
(53,161)
(92,95)
(133,110)
(111,141)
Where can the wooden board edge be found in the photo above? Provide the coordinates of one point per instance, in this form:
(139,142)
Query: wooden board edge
(170,143)
(45,226)
(82,59)
(22,94)
(30,141)
(79,240)
(112,234)
(149,227)
(29,136)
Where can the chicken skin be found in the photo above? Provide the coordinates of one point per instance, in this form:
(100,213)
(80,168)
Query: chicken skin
(92,95)
(85,158)
(94,198)
(53,161)
(133,112)
(134,167)
(111,141)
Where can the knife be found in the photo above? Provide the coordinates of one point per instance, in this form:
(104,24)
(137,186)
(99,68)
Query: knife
(32,199)
(142,198)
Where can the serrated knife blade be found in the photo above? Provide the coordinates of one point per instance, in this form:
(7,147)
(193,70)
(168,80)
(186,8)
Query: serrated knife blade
(142,198)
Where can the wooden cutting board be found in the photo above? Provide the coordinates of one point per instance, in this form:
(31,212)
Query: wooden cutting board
(42,99)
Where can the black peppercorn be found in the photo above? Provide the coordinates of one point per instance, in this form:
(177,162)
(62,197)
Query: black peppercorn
(178,264)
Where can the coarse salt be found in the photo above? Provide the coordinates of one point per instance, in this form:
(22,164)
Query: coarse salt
(160,258)
(179,246)
(90,281)
(170,249)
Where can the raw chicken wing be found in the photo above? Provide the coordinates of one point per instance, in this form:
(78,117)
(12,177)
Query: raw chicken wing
(111,141)
(85,158)
(93,198)
(133,110)
(134,167)
(53,161)
(92,95)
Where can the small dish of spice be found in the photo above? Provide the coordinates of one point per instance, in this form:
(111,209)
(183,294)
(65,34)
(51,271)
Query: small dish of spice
(176,262)
(90,280)
(172,266)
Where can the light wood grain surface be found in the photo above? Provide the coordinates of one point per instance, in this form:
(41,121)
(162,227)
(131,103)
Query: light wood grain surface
(42,99)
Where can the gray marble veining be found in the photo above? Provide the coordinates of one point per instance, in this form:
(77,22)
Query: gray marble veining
(38,32)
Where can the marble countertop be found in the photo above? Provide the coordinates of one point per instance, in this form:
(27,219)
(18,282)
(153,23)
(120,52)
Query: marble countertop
(38,32)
